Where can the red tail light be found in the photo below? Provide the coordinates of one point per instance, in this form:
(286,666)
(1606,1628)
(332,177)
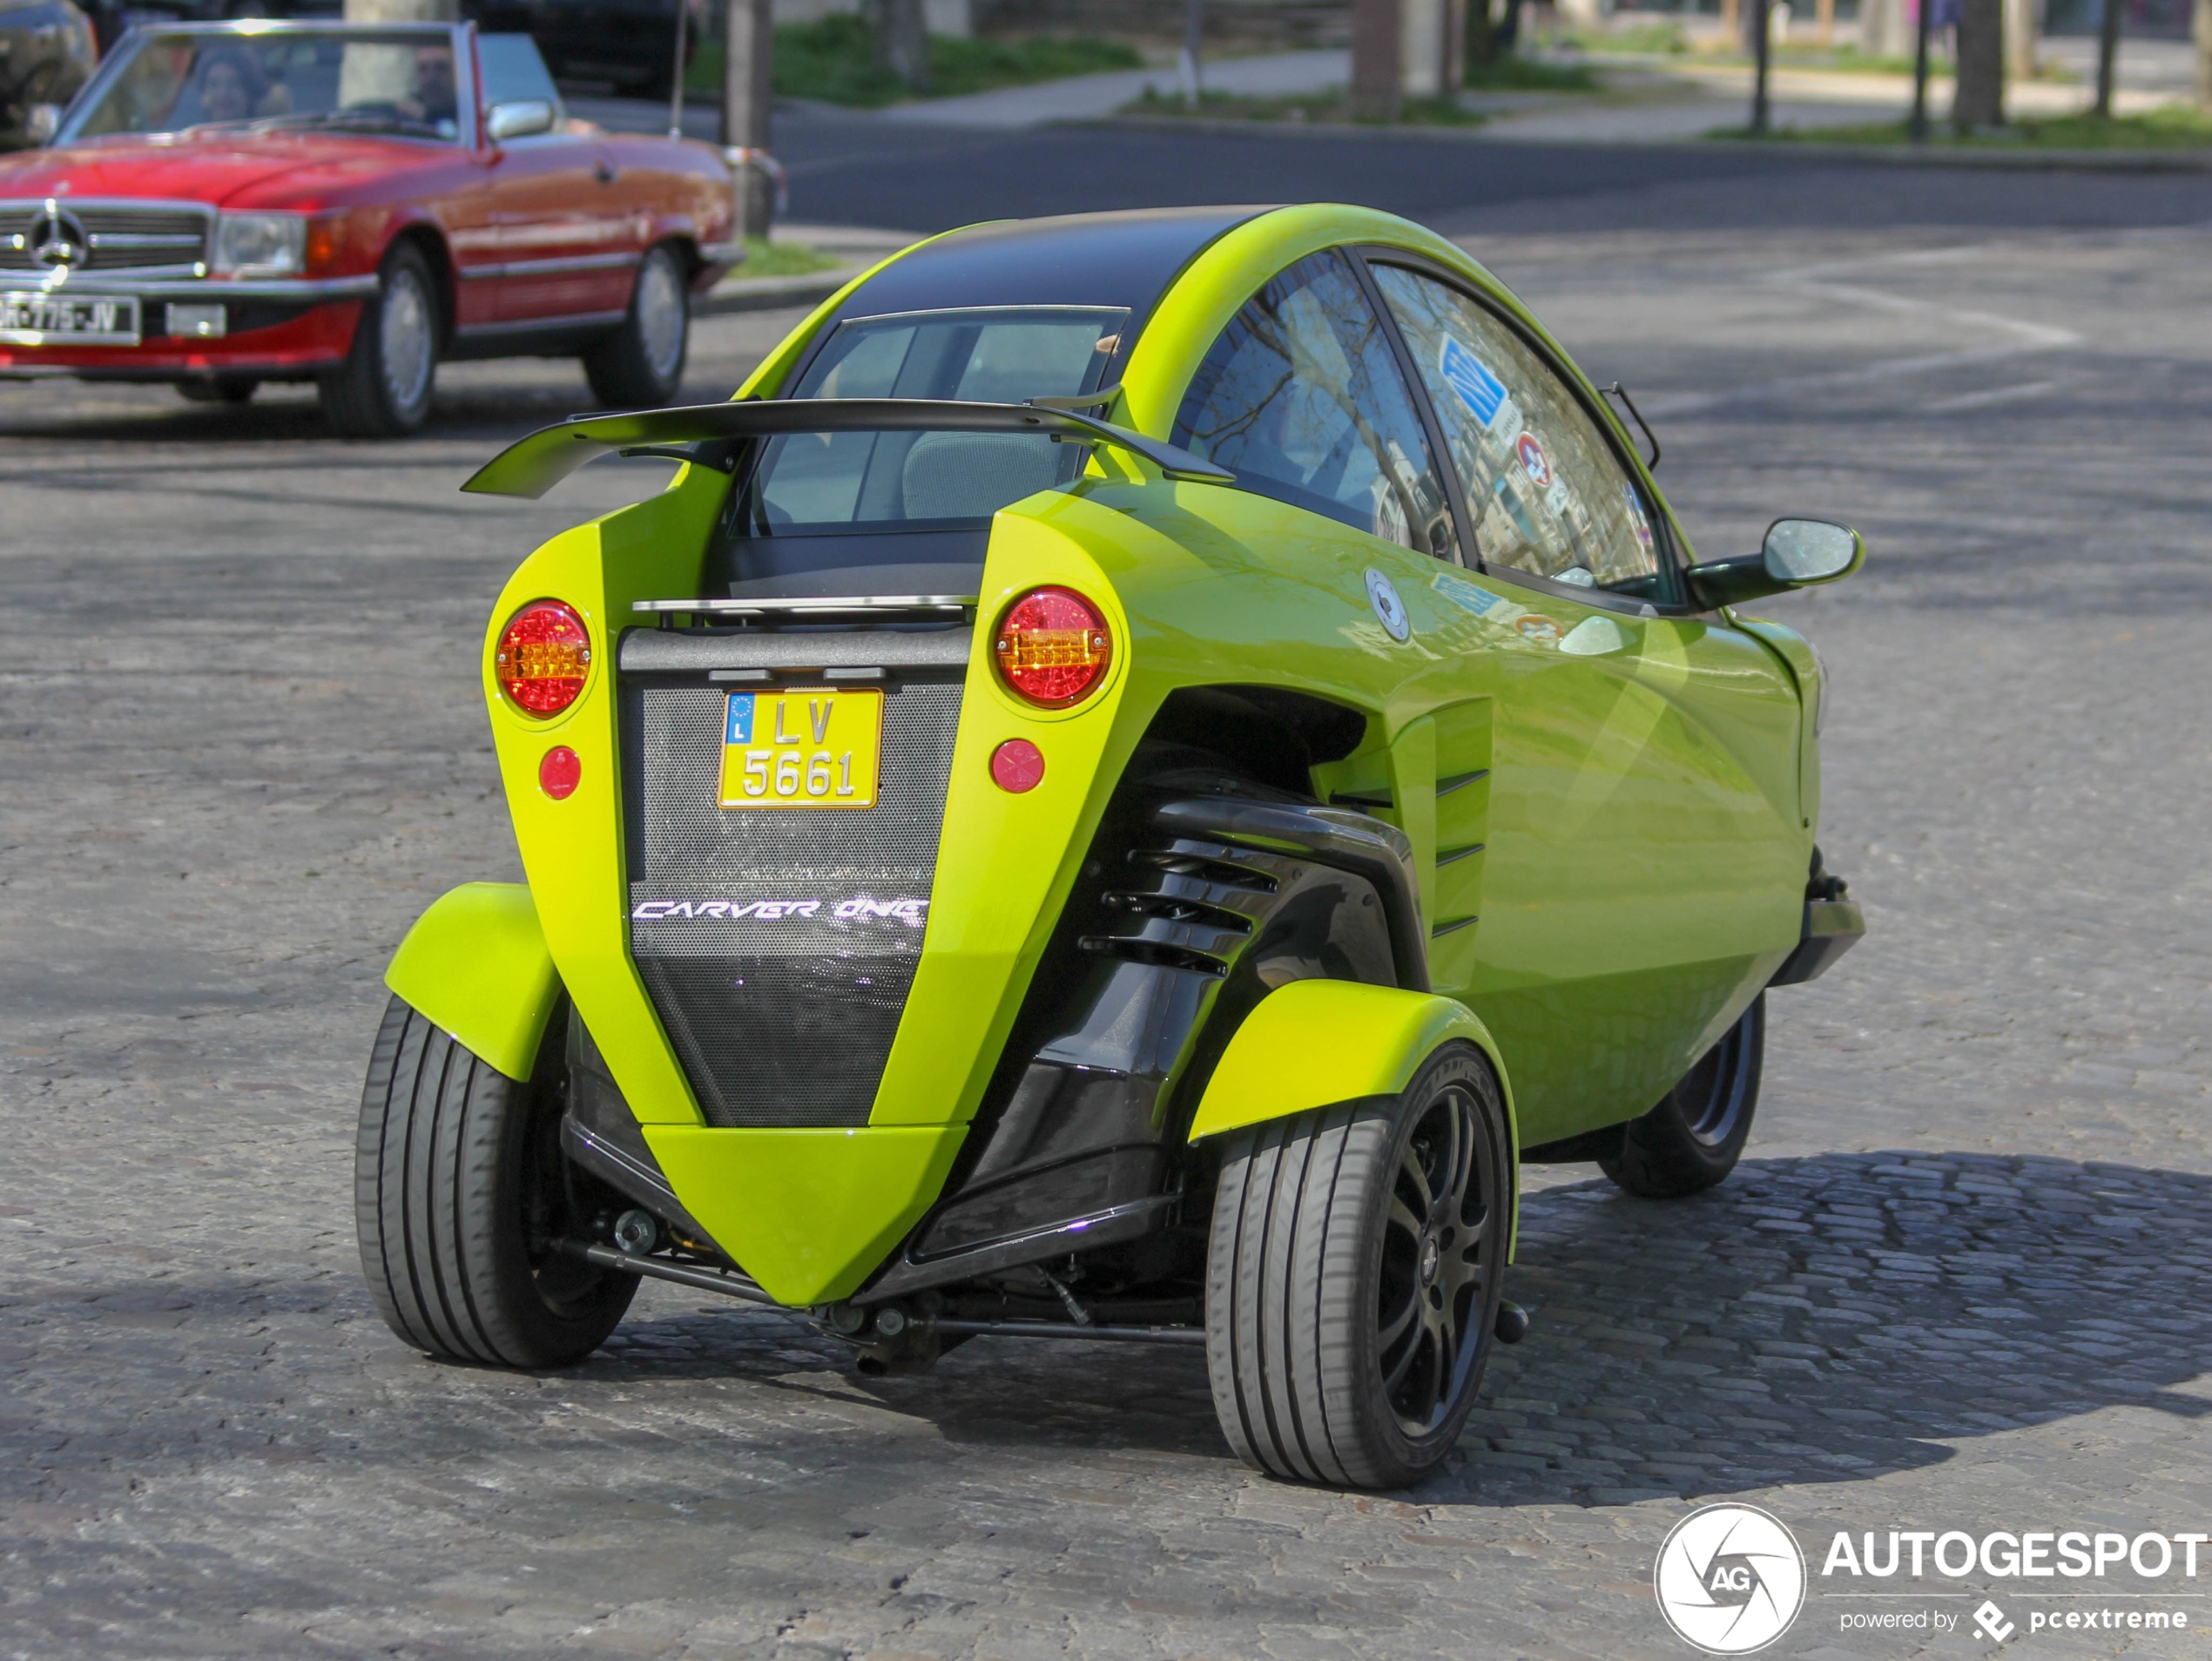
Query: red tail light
(1053,647)
(544,652)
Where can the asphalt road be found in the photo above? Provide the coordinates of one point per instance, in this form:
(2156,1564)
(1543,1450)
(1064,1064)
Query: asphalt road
(1963,1281)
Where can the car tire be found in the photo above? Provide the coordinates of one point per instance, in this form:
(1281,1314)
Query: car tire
(219,389)
(1695,1135)
(384,386)
(1335,1350)
(640,366)
(457,1170)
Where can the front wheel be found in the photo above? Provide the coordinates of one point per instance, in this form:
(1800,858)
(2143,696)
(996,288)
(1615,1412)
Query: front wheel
(640,366)
(1353,1277)
(458,1183)
(382,389)
(1695,1135)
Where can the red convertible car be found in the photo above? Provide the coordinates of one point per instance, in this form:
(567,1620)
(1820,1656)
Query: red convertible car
(226,203)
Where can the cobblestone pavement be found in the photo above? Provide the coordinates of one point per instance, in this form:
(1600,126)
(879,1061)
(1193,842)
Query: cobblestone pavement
(1964,1281)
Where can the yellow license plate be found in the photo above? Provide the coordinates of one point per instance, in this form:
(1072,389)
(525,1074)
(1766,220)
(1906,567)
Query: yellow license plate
(801,749)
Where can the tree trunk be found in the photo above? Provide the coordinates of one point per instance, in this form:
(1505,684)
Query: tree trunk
(2023,35)
(748,94)
(402,11)
(1978,102)
(2203,32)
(1376,56)
(901,42)
(1482,35)
(1884,31)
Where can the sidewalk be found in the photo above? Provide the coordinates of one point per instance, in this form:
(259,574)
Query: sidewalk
(1087,98)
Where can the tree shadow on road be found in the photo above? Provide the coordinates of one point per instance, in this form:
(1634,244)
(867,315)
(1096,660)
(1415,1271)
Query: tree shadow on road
(1819,1320)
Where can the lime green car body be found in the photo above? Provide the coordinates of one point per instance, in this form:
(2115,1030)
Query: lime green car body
(1642,808)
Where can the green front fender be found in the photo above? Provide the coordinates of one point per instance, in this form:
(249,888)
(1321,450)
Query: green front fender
(475,965)
(1314,1043)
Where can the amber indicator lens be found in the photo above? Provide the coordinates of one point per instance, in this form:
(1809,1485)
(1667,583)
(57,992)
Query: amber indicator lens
(1053,647)
(543,655)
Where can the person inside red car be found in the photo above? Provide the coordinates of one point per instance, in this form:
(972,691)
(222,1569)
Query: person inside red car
(433,99)
(232,88)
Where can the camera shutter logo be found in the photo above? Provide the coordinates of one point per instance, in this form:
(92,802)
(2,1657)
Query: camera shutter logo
(1729,1579)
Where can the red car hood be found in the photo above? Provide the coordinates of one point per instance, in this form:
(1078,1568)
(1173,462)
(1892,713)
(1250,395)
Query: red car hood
(264,169)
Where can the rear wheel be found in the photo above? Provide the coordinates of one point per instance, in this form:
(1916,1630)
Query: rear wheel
(382,389)
(1357,1260)
(1695,1135)
(458,1183)
(640,366)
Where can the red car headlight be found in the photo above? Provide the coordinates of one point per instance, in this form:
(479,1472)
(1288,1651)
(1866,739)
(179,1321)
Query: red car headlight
(545,653)
(1053,647)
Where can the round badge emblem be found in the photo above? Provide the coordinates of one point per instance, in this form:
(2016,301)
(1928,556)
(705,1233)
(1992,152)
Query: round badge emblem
(1729,1579)
(1390,610)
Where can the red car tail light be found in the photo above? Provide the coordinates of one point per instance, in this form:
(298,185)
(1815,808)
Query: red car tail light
(544,652)
(1053,647)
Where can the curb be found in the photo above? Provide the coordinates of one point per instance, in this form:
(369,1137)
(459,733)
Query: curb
(772,293)
(2098,161)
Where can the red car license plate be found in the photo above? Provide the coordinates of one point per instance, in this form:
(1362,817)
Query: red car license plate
(52,319)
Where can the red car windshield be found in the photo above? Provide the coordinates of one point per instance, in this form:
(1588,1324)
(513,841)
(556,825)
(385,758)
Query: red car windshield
(195,83)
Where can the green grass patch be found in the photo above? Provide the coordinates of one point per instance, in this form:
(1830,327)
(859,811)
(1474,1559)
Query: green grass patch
(1658,39)
(1513,73)
(766,258)
(1329,107)
(2176,127)
(834,60)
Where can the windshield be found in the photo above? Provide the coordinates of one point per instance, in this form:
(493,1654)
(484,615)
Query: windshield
(846,482)
(195,84)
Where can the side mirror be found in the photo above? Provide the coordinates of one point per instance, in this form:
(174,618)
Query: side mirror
(1798,553)
(41,123)
(520,118)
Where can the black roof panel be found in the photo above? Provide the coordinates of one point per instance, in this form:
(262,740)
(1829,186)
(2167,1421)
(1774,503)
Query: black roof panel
(1123,260)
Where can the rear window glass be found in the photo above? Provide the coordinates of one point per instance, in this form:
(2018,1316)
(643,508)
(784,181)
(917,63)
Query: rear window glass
(829,482)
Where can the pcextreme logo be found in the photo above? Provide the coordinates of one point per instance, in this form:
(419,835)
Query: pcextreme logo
(1729,1579)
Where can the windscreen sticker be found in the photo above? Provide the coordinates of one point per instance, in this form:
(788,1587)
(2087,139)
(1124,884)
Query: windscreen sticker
(1558,496)
(1533,460)
(1539,628)
(1478,390)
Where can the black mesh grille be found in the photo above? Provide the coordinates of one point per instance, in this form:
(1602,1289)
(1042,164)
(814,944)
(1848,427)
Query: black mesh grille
(786,1018)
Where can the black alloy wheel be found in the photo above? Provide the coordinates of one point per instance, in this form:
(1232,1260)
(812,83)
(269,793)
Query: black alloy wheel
(1694,1137)
(1354,1274)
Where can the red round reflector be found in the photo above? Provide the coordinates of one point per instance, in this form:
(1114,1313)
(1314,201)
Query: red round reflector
(1017,765)
(1053,647)
(559,773)
(543,654)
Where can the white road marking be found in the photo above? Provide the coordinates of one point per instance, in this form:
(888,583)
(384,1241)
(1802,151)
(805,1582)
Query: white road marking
(1993,395)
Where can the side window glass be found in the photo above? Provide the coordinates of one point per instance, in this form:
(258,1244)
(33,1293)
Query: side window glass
(1302,399)
(513,70)
(1547,493)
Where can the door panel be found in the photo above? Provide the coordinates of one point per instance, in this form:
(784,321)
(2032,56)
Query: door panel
(564,242)
(1644,868)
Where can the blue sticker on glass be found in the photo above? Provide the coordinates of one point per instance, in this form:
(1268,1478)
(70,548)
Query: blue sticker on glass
(737,724)
(1478,390)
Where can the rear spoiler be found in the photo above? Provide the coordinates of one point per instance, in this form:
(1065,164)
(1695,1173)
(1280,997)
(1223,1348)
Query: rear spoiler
(709,434)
